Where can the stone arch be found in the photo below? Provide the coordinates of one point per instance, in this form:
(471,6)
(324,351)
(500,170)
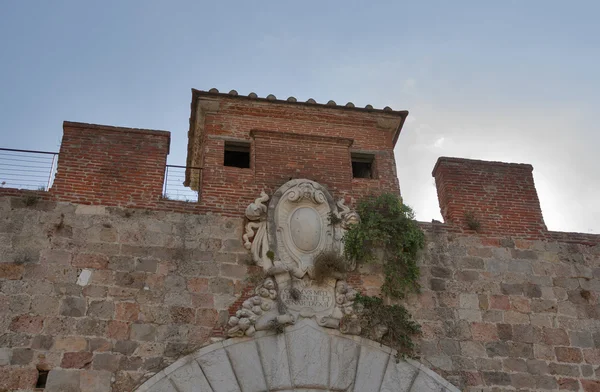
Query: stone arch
(305,357)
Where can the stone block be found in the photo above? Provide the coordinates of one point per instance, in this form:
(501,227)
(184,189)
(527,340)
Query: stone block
(5,355)
(592,356)
(99,344)
(122,263)
(586,370)
(132,280)
(492,316)
(497,349)
(568,354)
(143,332)
(555,337)
(543,352)
(55,256)
(101,309)
(127,311)
(70,343)
(441,272)
(150,350)
(535,366)
(495,266)
(117,330)
(512,289)
(246,364)
(544,306)
(496,378)
(221,286)
(500,302)
(437,284)
(514,365)
(581,339)
(520,267)
(512,317)
(189,378)
(106,361)
(27,324)
(44,305)
(563,369)
(131,363)
(21,356)
(182,298)
(371,368)
(472,349)
(76,360)
(146,265)
(273,352)
(175,283)
(89,260)
(568,384)
(59,326)
(525,333)
(541,320)
(523,380)
(19,304)
(125,347)
(484,332)
(449,347)
(198,285)
(590,385)
(520,350)
(469,314)
(73,307)
(182,315)
(95,381)
(234,271)
(218,371)
(60,380)
(469,301)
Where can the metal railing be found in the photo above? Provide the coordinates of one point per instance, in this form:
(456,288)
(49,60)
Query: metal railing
(173,188)
(27,169)
(35,170)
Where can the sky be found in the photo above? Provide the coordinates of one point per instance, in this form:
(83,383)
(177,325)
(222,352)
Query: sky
(514,81)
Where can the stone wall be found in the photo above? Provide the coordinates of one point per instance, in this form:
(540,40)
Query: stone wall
(509,313)
(104,297)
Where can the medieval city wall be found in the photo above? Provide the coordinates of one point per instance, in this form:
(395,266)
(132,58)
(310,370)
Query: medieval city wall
(104,289)
(110,295)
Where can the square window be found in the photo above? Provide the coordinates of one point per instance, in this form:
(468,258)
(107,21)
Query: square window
(237,154)
(362,165)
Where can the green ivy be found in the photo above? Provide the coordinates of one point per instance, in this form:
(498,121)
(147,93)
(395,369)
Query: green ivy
(400,327)
(388,225)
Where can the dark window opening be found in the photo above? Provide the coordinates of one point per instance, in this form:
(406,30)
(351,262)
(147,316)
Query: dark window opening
(42,378)
(362,165)
(237,154)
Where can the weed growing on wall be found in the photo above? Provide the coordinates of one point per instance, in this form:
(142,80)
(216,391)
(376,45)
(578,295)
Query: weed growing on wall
(472,221)
(387,230)
(329,265)
(388,226)
(391,325)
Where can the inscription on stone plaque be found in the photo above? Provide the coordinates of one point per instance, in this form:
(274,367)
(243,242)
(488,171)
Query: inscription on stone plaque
(319,299)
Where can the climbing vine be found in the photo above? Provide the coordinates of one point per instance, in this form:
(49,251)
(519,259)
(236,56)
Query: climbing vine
(388,226)
(391,325)
(388,231)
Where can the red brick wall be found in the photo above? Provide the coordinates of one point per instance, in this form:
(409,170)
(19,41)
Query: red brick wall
(500,196)
(110,166)
(292,142)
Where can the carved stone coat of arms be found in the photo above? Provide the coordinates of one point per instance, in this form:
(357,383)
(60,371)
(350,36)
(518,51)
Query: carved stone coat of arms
(285,233)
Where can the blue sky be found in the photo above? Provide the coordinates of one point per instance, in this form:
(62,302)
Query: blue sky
(513,80)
